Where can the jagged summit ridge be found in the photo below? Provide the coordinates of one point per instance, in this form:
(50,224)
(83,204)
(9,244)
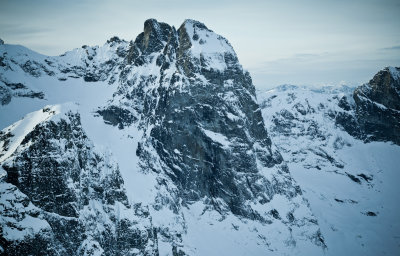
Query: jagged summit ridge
(192,40)
(203,133)
(378,106)
(190,144)
(383,88)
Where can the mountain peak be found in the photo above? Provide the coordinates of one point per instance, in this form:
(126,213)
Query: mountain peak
(387,84)
(394,72)
(194,23)
(153,38)
(154,25)
(378,105)
(114,39)
(209,49)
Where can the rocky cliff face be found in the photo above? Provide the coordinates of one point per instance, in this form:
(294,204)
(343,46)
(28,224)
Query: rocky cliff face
(60,196)
(203,129)
(378,106)
(202,119)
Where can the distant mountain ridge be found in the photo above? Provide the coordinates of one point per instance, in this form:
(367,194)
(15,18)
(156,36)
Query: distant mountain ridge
(348,174)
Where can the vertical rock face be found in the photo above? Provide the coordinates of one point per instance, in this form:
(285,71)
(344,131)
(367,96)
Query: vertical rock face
(201,116)
(378,106)
(203,129)
(74,193)
(206,125)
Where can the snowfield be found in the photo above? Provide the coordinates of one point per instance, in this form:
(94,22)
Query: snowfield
(351,185)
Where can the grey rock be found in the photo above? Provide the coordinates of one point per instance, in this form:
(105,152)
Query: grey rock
(117,116)
(74,189)
(378,106)
(13,90)
(204,132)
(182,121)
(5,95)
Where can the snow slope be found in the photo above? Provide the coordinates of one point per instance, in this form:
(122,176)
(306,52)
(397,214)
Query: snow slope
(351,185)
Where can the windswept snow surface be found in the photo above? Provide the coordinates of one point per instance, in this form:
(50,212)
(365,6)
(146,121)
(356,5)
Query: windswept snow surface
(121,144)
(208,45)
(217,138)
(352,186)
(58,87)
(209,233)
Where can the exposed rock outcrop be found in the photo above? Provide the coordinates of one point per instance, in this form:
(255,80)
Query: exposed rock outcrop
(204,132)
(378,106)
(74,195)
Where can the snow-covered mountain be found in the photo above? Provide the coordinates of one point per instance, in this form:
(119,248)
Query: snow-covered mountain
(344,158)
(159,146)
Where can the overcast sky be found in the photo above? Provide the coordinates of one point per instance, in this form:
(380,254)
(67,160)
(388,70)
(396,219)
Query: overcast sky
(298,42)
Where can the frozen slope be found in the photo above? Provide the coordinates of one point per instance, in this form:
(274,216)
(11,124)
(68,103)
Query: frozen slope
(351,185)
(29,81)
